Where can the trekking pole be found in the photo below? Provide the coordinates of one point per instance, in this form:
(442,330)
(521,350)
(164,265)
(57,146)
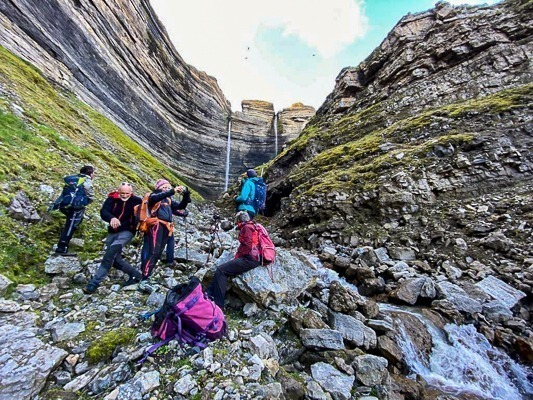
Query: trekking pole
(214,233)
(186,239)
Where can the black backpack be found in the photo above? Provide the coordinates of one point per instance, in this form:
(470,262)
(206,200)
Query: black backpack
(73,196)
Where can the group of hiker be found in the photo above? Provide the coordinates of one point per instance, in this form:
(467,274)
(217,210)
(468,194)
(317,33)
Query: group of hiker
(121,211)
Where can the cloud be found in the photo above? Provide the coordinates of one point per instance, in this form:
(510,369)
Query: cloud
(219,38)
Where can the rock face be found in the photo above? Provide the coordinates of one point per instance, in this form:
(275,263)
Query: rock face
(438,113)
(117,57)
(254,139)
(292,120)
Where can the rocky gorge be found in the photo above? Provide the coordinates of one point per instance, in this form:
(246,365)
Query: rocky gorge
(402,218)
(117,57)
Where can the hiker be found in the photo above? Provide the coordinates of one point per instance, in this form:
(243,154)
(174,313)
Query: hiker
(246,258)
(83,180)
(157,236)
(117,210)
(244,199)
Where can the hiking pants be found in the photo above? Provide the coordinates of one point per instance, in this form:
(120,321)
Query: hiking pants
(115,242)
(154,243)
(74,219)
(235,267)
(171,242)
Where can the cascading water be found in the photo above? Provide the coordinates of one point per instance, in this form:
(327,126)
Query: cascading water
(228,147)
(275,134)
(462,361)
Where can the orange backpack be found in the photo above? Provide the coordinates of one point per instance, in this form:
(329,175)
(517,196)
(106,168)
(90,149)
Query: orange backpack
(144,217)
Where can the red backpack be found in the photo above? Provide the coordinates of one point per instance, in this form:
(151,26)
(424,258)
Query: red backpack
(265,247)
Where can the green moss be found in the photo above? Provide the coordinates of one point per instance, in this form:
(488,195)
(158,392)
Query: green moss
(52,135)
(102,348)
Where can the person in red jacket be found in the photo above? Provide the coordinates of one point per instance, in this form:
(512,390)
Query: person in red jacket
(118,211)
(246,258)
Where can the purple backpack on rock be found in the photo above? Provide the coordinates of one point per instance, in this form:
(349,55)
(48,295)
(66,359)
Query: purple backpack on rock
(189,316)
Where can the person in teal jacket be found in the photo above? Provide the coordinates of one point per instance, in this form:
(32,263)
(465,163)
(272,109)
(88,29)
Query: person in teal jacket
(244,199)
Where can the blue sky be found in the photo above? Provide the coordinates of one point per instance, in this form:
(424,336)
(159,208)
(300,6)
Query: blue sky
(282,51)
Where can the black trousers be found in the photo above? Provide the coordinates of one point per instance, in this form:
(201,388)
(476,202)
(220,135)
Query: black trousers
(235,267)
(74,219)
(154,243)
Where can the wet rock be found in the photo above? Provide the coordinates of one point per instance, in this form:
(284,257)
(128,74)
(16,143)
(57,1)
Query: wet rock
(501,291)
(458,297)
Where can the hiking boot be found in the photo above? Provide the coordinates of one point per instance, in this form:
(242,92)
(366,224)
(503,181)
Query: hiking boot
(146,287)
(61,250)
(89,289)
(133,280)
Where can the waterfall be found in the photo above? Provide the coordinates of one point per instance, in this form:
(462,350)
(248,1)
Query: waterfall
(228,147)
(275,134)
(462,361)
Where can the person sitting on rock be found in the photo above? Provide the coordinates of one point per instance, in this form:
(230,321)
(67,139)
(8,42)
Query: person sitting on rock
(246,258)
(118,211)
(157,236)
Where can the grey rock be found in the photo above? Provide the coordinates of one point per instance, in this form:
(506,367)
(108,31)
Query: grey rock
(25,362)
(62,265)
(146,381)
(371,370)
(185,385)
(458,297)
(9,306)
(292,276)
(21,208)
(501,291)
(333,381)
(5,282)
(353,330)
(322,339)
(263,345)
(66,331)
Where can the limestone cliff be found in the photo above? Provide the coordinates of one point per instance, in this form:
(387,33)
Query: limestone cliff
(292,120)
(437,117)
(253,134)
(117,57)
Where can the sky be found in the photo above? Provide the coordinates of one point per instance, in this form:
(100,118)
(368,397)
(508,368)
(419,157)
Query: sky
(281,51)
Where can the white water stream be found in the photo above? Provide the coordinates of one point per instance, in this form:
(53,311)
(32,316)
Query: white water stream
(228,148)
(463,361)
(275,134)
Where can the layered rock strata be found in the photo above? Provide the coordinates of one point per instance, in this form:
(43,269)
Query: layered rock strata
(292,120)
(117,57)
(422,161)
(254,137)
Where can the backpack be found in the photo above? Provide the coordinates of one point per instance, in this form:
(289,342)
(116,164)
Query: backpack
(189,316)
(73,195)
(259,199)
(265,248)
(144,218)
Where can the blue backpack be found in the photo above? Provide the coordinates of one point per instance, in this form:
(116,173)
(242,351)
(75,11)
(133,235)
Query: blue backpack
(259,200)
(73,195)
